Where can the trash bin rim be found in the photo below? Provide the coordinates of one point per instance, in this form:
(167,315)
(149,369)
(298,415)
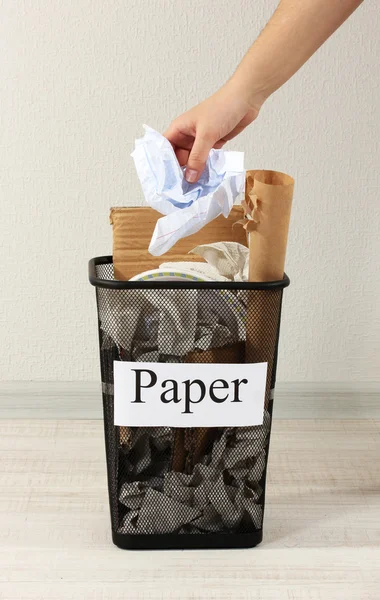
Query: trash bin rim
(193,285)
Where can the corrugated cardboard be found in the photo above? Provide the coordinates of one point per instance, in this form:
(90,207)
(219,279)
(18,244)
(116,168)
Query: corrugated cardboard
(133,229)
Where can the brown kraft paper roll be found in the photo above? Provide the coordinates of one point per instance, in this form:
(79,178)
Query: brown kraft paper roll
(190,444)
(268,198)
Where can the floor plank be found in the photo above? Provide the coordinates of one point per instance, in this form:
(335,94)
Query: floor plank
(83,400)
(321,536)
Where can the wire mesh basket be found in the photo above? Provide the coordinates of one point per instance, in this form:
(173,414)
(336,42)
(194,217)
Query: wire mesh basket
(186,487)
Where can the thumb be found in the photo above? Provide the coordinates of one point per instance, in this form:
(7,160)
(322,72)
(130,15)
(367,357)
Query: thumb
(198,157)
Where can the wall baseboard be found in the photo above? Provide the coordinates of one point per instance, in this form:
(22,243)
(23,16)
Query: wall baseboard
(82,400)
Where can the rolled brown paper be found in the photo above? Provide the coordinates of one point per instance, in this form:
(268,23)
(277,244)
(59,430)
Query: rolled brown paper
(179,451)
(272,193)
(190,444)
(133,229)
(267,242)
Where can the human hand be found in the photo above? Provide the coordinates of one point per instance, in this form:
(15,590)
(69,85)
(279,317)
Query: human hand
(210,124)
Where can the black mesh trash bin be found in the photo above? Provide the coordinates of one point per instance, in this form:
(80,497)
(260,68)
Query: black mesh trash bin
(186,487)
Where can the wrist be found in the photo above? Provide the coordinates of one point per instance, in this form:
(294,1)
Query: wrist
(252,89)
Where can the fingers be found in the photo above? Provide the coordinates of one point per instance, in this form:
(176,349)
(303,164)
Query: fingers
(192,148)
(179,137)
(198,156)
(219,144)
(229,136)
(182,156)
(182,142)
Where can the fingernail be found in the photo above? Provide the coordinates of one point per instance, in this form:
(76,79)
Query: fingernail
(191,175)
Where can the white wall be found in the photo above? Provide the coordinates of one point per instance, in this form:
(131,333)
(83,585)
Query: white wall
(78,78)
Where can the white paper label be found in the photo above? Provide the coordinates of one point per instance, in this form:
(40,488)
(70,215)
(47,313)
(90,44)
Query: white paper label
(189,395)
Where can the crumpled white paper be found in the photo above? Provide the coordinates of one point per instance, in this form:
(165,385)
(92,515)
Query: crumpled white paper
(187,206)
(202,270)
(226,261)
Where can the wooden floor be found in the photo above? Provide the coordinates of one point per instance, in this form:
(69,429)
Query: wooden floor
(321,536)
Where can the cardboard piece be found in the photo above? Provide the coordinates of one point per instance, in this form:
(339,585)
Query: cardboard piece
(133,228)
(269,197)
